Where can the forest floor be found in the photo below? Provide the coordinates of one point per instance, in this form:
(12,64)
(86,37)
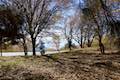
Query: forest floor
(74,65)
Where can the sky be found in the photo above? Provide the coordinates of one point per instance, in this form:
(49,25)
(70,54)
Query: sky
(48,40)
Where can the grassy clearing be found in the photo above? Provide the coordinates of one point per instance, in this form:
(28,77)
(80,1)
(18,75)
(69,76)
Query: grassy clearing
(74,65)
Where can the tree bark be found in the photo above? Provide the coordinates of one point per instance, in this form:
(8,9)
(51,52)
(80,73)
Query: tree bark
(1,45)
(101,45)
(102,48)
(89,43)
(81,41)
(33,46)
(25,46)
(70,44)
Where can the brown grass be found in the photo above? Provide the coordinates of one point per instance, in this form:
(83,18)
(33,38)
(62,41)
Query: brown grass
(74,65)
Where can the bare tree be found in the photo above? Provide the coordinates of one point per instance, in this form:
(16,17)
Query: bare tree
(80,36)
(68,32)
(90,32)
(56,40)
(77,36)
(37,14)
(24,43)
(92,13)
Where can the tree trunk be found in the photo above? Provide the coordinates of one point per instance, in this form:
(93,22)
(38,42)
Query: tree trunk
(1,45)
(102,48)
(33,46)
(81,41)
(89,43)
(70,48)
(70,44)
(25,46)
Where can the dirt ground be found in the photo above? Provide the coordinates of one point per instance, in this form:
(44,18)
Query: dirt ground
(76,65)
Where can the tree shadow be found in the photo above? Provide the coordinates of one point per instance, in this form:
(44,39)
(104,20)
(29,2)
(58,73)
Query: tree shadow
(53,59)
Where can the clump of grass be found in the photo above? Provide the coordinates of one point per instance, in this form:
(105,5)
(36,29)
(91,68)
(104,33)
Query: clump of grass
(55,57)
(7,66)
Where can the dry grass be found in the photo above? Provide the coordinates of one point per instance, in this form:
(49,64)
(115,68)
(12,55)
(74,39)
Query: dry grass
(65,66)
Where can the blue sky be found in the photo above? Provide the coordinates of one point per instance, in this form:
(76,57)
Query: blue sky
(66,13)
(48,40)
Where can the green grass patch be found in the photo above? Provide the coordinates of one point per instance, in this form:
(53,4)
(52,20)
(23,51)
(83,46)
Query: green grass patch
(7,66)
